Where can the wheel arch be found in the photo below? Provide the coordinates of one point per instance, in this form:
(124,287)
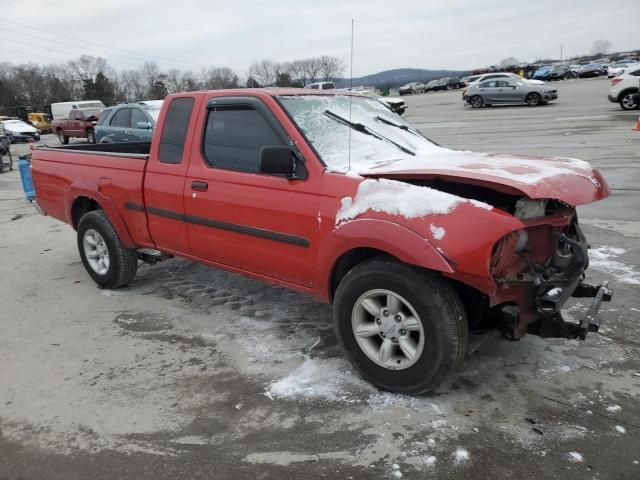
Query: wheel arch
(86,197)
(626,91)
(352,243)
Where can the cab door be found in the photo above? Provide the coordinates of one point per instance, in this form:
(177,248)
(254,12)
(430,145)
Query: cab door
(238,216)
(118,125)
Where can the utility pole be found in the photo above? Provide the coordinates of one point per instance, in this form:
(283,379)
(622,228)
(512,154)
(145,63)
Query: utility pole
(561,46)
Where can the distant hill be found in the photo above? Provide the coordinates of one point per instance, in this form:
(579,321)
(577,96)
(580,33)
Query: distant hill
(399,76)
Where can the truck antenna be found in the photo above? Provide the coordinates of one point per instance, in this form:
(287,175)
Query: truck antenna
(350,92)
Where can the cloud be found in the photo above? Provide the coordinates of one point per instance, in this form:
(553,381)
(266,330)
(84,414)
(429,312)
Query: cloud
(192,34)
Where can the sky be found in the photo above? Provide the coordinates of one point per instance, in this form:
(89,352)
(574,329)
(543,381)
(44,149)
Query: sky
(192,35)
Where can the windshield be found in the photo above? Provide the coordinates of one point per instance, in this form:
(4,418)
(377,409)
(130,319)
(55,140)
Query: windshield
(377,134)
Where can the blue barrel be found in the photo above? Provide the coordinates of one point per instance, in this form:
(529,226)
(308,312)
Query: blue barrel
(25,174)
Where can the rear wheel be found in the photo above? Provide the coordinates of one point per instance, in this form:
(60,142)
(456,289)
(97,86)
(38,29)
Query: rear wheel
(402,328)
(476,101)
(106,259)
(628,101)
(533,99)
(62,137)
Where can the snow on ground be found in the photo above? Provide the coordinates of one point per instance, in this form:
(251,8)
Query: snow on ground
(461,455)
(575,457)
(604,259)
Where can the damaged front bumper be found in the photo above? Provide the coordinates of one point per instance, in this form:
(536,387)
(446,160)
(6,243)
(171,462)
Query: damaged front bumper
(536,286)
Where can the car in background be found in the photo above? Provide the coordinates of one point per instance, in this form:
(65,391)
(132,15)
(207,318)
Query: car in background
(80,124)
(617,68)
(574,70)
(465,81)
(624,88)
(505,90)
(451,83)
(411,88)
(559,72)
(129,122)
(41,121)
(542,73)
(591,70)
(19,131)
(320,86)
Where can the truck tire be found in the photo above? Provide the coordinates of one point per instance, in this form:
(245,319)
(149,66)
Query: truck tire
(91,136)
(106,259)
(62,137)
(403,329)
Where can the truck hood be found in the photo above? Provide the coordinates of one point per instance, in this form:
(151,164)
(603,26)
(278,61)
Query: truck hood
(574,182)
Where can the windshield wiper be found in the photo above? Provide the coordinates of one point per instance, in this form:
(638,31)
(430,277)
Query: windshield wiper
(394,124)
(362,128)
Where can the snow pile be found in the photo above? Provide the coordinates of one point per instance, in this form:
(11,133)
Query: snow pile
(620,429)
(461,455)
(317,380)
(614,408)
(437,232)
(399,198)
(575,457)
(430,460)
(602,258)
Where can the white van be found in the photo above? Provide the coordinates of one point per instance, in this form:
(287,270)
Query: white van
(60,110)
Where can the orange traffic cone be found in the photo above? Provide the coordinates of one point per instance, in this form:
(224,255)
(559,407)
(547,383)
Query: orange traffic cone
(637,127)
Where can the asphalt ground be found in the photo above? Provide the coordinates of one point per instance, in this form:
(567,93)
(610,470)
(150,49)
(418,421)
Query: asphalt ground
(196,373)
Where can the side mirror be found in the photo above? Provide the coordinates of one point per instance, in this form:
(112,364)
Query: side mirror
(143,125)
(282,161)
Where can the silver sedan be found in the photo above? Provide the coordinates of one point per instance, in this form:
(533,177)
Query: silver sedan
(508,91)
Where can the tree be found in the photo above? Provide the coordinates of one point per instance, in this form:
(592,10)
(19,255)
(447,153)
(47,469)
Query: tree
(158,90)
(87,66)
(219,78)
(330,68)
(265,72)
(252,83)
(100,89)
(600,46)
(509,62)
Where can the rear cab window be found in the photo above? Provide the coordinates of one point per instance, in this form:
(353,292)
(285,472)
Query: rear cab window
(174,131)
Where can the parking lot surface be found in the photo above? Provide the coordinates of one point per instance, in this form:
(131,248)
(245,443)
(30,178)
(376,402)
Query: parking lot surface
(196,373)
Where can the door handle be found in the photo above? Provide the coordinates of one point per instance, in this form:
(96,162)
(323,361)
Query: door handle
(199,185)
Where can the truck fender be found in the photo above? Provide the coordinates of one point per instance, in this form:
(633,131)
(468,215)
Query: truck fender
(391,238)
(84,188)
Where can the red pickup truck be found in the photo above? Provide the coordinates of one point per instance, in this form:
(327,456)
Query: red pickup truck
(335,196)
(80,124)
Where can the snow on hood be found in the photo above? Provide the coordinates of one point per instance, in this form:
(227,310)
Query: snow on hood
(399,198)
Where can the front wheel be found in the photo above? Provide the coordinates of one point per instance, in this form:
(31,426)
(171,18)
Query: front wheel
(91,136)
(533,99)
(64,140)
(403,329)
(628,101)
(476,101)
(106,259)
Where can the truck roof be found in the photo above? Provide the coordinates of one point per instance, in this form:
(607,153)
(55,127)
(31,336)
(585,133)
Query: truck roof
(271,91)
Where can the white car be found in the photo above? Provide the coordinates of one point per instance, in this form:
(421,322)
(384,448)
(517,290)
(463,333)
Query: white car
(19,131)
(491,76)
(320,86)
(625,87)
(617,68)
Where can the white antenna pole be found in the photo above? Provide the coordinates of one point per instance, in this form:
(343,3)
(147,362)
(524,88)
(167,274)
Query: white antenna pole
(350,93)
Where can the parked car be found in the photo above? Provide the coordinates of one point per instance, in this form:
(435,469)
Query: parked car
(411,88)
(268,183)
(508,91)
(624,87)
(19,131)
(543,73)
(80,124)
(559,72)
(5,142)
(574,70)
(320,86)
(617,68)
(591,70)
(451,83)
(41,121)
(131,122)
(465,81)
(396,105)
(61,110)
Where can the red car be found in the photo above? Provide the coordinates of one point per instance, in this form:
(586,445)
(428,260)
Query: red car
(337,197)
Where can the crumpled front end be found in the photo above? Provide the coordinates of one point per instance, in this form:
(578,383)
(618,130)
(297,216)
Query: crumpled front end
(536,270)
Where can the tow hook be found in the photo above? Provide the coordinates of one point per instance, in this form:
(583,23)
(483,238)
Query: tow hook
(590,322)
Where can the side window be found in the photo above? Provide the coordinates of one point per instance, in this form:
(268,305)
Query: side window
(103,116)
(315,86)
(636,73)
(137,115)
(174,132)
(234,136)
(76,115)
(122,118)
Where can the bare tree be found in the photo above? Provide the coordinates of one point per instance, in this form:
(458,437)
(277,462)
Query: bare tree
(218,78)
(265,72)
(600,46)
(330,67)
(509,62)
(88,66)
